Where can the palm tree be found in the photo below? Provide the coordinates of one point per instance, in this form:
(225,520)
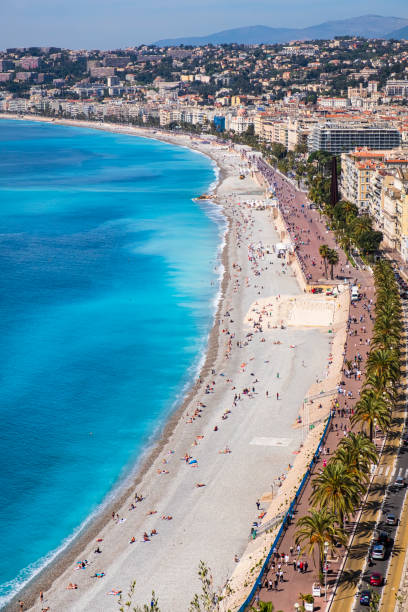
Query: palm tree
(371,408)
(389,394)
(384,365)
(333,260)
(265,607)
(357,453)
(324,251)
(316,528)
(360,225)
(336,489)
(386,337)
(350,211)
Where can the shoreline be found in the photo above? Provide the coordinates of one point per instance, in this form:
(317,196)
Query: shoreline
(46,577)
(94,523)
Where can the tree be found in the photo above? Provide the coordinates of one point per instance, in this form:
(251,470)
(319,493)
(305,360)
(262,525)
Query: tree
(336,489)
(126,605)
(265,607)
(204,602)
(333,260)
(369,241)
(357,452)
(370,409)
(384,365)
(360,225)
(316,528)
(324,251)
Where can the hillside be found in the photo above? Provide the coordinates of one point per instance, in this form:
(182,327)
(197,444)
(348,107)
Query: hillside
(369,26)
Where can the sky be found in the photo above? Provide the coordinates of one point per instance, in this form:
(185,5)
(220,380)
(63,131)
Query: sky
(108,24)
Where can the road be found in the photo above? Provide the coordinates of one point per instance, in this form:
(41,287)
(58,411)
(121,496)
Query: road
(383,497)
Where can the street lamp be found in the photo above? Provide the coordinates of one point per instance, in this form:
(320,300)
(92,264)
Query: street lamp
(326,550)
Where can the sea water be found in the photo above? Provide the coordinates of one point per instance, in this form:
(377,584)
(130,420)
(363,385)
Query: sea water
(109,276)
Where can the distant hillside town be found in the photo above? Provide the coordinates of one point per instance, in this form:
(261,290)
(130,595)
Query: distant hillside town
(347,96)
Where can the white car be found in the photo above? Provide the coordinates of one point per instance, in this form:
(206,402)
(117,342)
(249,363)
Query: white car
(378,552)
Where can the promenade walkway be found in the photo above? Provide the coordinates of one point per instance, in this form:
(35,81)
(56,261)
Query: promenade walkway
(308,231)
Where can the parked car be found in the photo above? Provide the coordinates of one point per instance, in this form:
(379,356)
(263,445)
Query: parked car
(405,440)
(399,482)
(365,598)
(382,537)
(378,552)
(391,519)
(376,579)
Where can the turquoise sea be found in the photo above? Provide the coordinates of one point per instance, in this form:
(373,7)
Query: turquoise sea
(108,288)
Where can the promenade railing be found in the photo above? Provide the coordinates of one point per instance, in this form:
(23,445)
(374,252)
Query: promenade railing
(286,520)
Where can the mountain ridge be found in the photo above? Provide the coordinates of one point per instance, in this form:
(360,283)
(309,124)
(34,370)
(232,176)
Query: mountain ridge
(368,26)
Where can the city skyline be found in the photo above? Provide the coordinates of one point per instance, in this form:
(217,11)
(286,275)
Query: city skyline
(102,24)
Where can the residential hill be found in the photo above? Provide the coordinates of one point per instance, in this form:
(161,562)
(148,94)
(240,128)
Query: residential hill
(369,26)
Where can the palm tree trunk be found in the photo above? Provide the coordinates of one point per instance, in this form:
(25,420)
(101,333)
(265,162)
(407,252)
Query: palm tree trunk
(331,271)
(371,431)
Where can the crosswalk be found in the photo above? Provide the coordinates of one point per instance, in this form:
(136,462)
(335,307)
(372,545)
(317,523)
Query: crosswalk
(385,470)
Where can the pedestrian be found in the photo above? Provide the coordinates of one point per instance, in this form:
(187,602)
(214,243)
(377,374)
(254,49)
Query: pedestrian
(276,584)
(41,596)
(294,565)
(281,576)
(291,550)
(21,604)
(306,565)
(277,396)
(270,584)
(258,505)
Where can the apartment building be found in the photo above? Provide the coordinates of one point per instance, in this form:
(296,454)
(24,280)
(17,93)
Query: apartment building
(271,128)
(395,212)
(333,102)
(358,168)
(298,131)
(396,88)
(239,123)
(344,137)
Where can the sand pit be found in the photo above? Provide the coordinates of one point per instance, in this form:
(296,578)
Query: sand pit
(292,310)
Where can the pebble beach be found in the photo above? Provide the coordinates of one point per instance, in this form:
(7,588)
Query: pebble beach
(234,441)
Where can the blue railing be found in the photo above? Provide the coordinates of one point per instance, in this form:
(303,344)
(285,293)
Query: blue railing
(285,522)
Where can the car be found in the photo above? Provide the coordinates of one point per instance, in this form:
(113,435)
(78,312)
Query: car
(391,519)
(405,440)
(365,598)
(381,537)
(399,482)
(376,579)
(378,552)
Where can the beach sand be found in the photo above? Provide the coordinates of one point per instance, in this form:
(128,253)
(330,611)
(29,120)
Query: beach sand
(212,522)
